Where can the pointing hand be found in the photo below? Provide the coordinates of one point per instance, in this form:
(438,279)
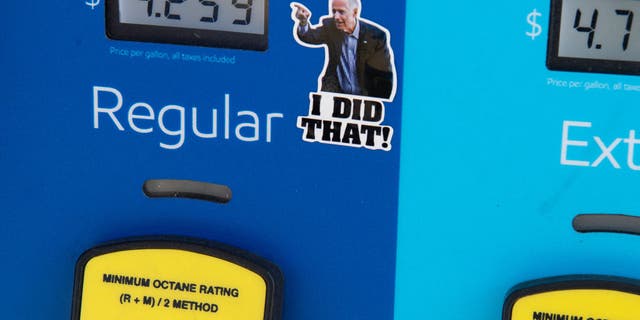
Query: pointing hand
(301,13)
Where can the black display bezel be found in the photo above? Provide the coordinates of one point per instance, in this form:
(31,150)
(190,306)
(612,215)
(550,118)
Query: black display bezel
(186,36)
(555,62)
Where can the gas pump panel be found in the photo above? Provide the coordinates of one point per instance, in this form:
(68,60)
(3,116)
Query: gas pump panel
(274,128)
(239,122)
(520,161)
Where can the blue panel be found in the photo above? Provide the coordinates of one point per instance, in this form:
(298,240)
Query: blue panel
(326,214)
(487,198)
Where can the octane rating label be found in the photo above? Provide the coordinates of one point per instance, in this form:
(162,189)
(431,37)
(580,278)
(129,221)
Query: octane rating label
(578,304)
(168,284)
(166,301)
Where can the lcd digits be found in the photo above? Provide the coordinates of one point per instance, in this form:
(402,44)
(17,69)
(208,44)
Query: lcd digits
(238,24)
(589,25)
(168,11)
(594,36)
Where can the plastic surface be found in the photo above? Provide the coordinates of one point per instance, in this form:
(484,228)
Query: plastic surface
(169,277)
(87,120)
(487,195)
(574,297)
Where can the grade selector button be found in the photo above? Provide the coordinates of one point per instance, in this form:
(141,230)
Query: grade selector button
(574,298)
(175,278)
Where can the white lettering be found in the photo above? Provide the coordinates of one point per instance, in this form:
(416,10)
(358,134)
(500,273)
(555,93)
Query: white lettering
(269,117)
(109,111)
(632,141)
(179,132)
(606,152)
(171,119)
(150,115)
(214,126)
(577,143)
(226,115)
(255,125)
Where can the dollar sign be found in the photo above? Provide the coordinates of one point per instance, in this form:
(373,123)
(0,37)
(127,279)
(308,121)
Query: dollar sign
(92,3)
(536,29)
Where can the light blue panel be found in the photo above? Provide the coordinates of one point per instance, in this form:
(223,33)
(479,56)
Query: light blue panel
(485,202)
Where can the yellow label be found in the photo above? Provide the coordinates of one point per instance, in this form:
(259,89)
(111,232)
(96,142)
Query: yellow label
(169,284)
(578,304)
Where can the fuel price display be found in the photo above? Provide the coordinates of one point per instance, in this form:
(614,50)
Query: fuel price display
(238,24)
(595,36)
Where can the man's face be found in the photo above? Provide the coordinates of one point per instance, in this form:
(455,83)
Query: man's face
(344,15)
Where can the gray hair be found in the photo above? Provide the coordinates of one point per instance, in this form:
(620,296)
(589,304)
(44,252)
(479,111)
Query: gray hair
(355,4)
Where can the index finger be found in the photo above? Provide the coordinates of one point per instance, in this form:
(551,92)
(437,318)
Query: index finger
(298,6)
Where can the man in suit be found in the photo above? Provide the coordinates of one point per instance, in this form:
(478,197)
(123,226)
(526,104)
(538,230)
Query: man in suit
(360,61)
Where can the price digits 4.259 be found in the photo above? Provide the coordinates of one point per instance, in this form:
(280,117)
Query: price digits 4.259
(213,6)
(591,24)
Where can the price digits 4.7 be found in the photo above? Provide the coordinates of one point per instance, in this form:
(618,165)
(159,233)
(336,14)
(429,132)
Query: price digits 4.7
(591,28)
(213,7)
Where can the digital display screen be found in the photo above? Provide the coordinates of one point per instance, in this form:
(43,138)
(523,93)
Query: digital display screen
(218,23)
(237,16)
(599,29)
(595,35)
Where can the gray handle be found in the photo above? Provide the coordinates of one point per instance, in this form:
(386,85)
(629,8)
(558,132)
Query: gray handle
(169,188)
(617,223)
